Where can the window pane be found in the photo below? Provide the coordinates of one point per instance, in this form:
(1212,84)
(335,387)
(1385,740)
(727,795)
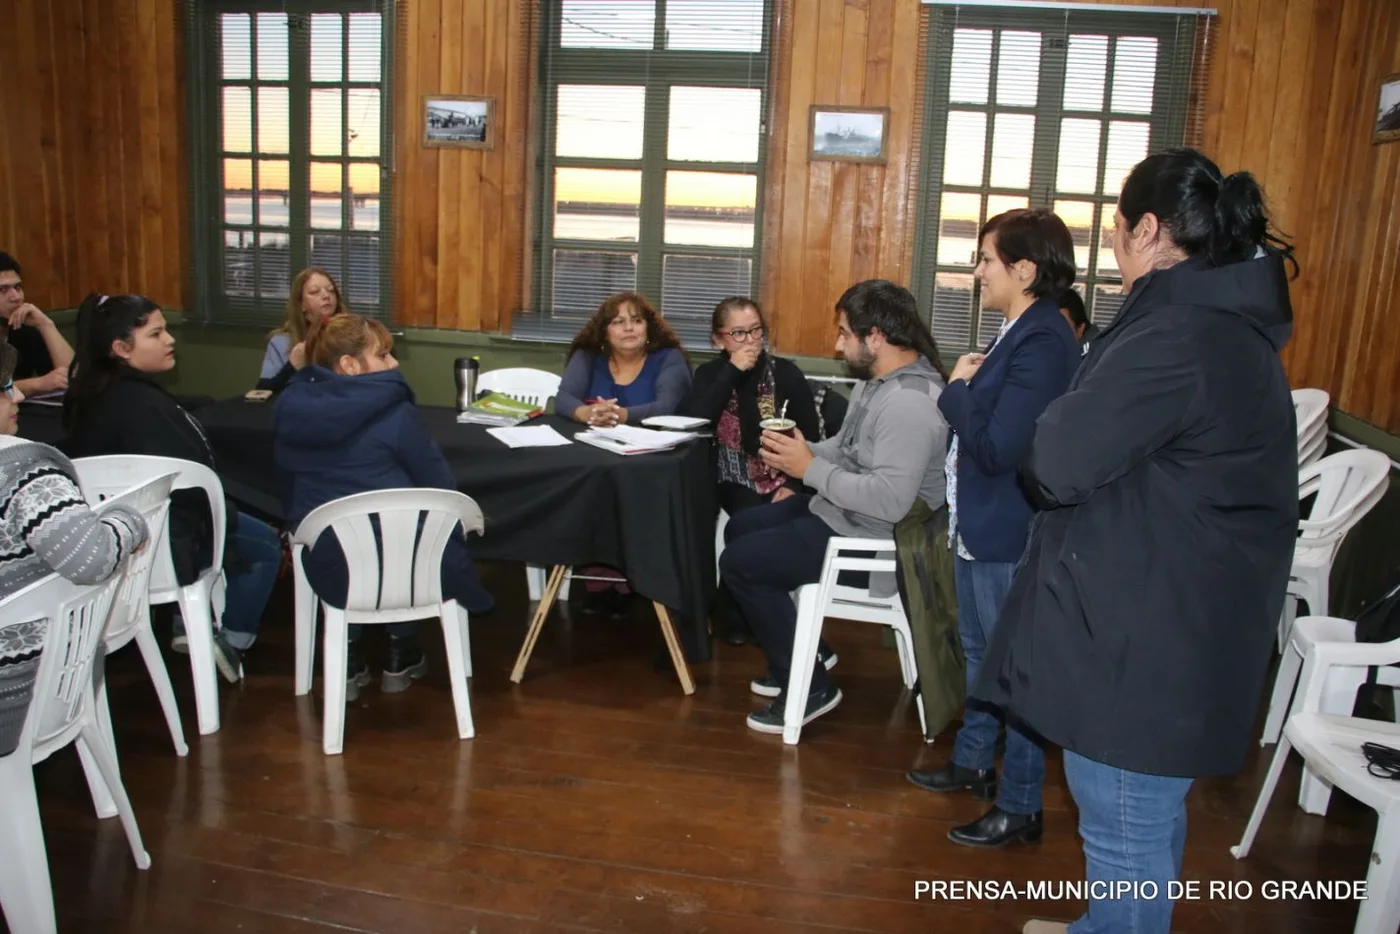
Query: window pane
(326,252)
(238,261)
(327,188)
(1108,298)
(238,119)
(274,265)
(1086,69)
(1127,146)
(1013,139)
(1107,260)
(989,321)
(721,25)
(1134,73)
(327,135)
(692,285)
(272,47)
(366,48)
(597,204)
(599,121)
(966,149)
(1000,204)
(273,119)
(1079,156)
(952,310)
(958,219)
(362,271)
(710,208)
(1018,69)
(238,191)
(237,46)
(971,70)
(620,24)
(364,201)
(327,61)
(713,124)
(362,132)
(273,208)
(1079,218)
(582,279)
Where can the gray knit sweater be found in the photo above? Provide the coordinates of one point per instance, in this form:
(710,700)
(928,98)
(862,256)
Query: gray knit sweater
(46,526)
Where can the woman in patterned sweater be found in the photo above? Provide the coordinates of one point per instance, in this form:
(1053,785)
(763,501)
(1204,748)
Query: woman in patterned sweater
(45,527)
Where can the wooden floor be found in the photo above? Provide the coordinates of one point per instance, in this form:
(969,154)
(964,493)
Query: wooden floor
(594,798)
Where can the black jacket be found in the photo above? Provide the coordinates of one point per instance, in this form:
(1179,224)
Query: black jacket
(136,416)
(1138,629)
(716,381)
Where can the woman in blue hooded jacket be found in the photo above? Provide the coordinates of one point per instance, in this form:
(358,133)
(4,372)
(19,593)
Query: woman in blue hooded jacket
(346,424)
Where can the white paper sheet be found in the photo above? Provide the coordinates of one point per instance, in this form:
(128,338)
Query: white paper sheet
(529,436)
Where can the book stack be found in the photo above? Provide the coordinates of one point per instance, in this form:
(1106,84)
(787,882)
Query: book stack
(499,411)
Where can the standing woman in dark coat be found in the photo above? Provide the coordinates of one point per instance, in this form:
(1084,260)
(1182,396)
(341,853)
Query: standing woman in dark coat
(1138,630)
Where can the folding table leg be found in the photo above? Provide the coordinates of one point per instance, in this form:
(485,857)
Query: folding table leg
(551,592)
(668,632)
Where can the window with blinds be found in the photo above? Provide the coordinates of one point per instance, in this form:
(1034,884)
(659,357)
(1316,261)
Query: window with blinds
(1045,109)
(651,159)
(292,129)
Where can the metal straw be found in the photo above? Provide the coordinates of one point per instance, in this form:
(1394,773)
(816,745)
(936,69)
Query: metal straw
(783,413)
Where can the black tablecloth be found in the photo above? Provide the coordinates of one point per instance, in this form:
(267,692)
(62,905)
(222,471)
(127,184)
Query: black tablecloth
(652,515)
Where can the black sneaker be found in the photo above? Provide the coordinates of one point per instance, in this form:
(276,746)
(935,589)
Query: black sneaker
(227,659)
(768,686)
(356,673)
(770,718)
(406,663)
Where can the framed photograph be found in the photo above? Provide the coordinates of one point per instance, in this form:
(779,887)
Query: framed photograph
(848,134)
(459,120)
(1388,111)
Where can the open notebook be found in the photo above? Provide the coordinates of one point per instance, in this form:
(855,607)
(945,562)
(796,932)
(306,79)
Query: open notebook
(626,439)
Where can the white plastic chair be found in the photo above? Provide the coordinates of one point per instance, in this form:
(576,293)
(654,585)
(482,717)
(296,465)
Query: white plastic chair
(720,523)
(1344,486)
(1338,693)
(524,383)
(130,618)
(402,583)
(63,711)
(828,598)
(1310,409)
(201,602)
(1331,747)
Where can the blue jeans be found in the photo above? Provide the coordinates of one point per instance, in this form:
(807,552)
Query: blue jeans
(1134,830)
(982,588)
(260,555)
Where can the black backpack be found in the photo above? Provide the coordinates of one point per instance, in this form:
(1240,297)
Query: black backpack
(1378,621)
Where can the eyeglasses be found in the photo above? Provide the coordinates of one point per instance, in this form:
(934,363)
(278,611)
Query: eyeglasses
(743,337)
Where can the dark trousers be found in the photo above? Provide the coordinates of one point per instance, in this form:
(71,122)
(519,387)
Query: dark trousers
(770,551)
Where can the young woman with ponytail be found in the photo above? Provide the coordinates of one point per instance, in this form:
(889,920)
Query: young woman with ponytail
(1138,631)
(115,406)
(345,424)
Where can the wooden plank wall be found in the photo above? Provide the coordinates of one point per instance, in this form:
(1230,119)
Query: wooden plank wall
(1291,97)
(462,212)
(92,154)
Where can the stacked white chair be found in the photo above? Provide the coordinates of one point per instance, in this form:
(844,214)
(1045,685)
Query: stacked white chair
(828,598)
(1344,487)
(396,583)
(201,602)
(1331,748)
(63,711)
(1310,407)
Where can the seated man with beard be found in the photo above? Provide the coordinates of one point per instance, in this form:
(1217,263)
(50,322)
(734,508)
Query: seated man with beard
(890,450)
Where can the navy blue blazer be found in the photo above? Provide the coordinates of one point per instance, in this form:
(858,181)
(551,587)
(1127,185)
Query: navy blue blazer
(994,415)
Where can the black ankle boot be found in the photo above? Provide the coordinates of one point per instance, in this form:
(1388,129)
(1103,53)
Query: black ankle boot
(998,828)
(406,663)
(952,777)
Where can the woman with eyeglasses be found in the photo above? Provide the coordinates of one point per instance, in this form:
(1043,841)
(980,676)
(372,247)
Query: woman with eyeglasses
(736,391)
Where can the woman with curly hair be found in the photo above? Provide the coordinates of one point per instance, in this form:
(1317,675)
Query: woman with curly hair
(625,365)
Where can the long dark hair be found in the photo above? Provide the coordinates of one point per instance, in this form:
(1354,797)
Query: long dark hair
(102,319)
(593,338)
(1219,218)
(879,303)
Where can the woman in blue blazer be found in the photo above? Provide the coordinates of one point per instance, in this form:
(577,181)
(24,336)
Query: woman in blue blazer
(992,402)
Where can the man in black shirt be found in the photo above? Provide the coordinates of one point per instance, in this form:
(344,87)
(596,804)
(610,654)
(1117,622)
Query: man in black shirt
(44,355)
